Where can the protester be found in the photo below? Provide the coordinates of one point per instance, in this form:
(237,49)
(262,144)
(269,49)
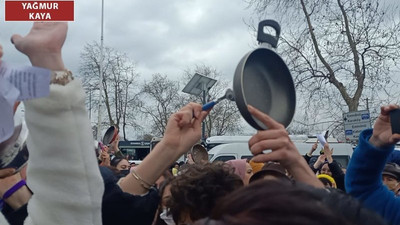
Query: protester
(327,165)
(391,177)
(270,171)
(175,169)
(242,169)
(308,155)
(163,215)
(282,203)
(63,172)
(277,202)
(364,172)
(327,180)
(195,192)
(120,166)
(256,166)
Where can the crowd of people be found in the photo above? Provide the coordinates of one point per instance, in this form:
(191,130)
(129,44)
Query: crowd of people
(67,183)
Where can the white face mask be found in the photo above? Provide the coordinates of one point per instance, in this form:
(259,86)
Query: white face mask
(167,218)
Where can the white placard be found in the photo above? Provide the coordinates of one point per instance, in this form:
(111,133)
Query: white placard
(32,82)
(19,83)
(321,139)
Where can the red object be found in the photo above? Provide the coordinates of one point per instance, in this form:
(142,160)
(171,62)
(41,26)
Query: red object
(114,135)
(39,11)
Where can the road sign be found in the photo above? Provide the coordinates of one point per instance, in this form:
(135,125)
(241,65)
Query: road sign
(354,123)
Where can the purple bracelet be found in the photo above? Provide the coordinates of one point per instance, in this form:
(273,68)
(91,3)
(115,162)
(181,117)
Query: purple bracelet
(13,189)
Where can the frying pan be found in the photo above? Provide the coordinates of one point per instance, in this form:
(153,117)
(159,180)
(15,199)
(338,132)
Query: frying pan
(263,80)
(110,135)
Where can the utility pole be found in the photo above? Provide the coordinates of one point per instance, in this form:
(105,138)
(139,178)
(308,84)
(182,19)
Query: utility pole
(101,75)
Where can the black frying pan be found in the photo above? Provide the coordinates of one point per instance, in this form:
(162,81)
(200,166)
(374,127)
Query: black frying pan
(110,135)
(263,80)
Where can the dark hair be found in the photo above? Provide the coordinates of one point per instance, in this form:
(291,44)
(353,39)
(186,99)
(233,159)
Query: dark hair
(280,203)
(114,162)
(163,185)
(325,181)
(197,190)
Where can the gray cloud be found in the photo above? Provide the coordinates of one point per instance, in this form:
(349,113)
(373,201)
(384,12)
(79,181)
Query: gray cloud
(161,36)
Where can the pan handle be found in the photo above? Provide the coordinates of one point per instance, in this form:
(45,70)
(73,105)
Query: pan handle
(267,38)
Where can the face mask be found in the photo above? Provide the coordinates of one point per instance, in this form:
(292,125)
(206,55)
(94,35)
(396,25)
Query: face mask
(123,173)
(167,218)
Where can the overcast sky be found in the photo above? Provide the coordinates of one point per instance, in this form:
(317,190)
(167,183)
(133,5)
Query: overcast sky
(160,36)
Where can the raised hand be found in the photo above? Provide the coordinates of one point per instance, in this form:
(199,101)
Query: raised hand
(276,138)
(184,128)
(43,44)
(382,133)
(328,152)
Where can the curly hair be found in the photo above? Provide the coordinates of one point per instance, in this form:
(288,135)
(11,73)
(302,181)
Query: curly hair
(266,202)
(197,190)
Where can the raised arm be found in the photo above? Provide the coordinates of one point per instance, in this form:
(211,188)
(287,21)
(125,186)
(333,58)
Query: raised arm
(182,132)
(63,172)
(364,172)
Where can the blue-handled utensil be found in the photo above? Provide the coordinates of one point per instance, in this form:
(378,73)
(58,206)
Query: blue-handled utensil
(228,95)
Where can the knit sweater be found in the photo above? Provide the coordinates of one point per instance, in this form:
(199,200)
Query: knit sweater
(364,179)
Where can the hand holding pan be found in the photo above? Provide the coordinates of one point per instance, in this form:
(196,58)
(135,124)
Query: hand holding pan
(263,80)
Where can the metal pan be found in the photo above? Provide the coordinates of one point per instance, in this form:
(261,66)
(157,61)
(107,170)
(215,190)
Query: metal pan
(110,135)
(263,80)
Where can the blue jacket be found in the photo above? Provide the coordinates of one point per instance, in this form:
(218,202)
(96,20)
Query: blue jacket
(394,157)
(364,179)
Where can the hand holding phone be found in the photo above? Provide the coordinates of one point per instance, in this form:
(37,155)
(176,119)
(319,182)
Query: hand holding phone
(395,121)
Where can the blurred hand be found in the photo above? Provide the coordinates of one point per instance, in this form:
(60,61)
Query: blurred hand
(328,152)
(105,158)
(43,44)
(114,144)
(183,129)
(382,133)
(314,146)
(276,138)
(321,158)
(6,172)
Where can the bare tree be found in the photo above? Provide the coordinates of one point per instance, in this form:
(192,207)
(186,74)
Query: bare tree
(341,53)
(120,96)
(223,118)
(161,98)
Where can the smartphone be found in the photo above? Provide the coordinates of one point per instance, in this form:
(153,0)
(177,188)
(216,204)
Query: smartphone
(395,121)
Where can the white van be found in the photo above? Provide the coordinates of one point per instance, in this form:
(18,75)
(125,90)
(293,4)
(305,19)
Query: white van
(341,151)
